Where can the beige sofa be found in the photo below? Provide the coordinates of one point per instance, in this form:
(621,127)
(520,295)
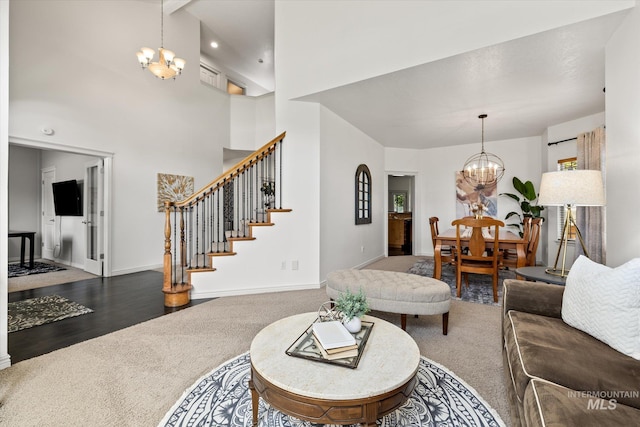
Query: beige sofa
(557,375)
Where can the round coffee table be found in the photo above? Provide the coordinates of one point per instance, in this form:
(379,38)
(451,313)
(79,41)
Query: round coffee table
(329,394)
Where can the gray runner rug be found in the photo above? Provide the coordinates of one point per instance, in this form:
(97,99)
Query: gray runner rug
(38,311)
(17,270)
(222,398)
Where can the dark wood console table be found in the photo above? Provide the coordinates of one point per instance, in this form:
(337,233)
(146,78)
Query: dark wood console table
(25,235)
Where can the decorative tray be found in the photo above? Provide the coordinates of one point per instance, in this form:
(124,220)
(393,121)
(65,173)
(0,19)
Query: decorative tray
(307,347)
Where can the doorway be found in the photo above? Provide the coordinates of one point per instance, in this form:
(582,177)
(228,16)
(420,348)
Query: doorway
(400,216)
(77,239)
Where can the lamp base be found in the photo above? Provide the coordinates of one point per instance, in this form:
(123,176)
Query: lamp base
(556,272)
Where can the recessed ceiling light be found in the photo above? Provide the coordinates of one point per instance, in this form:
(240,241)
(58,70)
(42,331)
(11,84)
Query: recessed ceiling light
(214,45)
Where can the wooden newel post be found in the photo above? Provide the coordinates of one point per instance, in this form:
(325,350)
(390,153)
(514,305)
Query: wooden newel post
(175,294)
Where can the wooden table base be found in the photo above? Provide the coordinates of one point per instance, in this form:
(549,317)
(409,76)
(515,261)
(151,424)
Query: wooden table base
(323,411)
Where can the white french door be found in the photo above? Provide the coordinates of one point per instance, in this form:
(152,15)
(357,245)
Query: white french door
(94,217)
(48,225)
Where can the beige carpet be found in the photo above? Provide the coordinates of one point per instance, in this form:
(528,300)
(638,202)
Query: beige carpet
(34,281)
(132,377)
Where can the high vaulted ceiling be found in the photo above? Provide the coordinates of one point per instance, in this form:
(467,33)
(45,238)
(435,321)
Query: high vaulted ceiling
(524,85)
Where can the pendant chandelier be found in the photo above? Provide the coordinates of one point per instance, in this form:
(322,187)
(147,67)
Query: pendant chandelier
(483,169)
(168,66)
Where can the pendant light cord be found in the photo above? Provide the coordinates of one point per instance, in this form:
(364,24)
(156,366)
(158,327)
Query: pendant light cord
(162,24)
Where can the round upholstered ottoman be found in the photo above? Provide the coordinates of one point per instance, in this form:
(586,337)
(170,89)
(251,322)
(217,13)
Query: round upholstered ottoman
(395,292)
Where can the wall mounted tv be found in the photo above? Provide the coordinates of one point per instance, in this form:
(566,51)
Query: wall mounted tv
(67,198)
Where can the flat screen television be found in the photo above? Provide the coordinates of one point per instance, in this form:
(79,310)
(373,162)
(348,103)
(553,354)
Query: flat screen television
(67,198)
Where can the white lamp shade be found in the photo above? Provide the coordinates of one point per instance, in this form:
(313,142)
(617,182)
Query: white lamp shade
(179,63)
(148,53)
(573,187)
(167,54)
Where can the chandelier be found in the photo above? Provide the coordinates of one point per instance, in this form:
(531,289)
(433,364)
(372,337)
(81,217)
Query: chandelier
(483,169)
(168,66)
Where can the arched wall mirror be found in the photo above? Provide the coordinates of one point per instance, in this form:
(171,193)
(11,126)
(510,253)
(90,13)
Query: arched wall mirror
(363,195)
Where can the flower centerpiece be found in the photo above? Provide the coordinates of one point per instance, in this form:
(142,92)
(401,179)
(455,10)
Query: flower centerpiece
(479,209)
(353,307)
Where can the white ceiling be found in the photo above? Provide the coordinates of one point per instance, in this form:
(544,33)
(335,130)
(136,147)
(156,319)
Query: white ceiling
(524,85)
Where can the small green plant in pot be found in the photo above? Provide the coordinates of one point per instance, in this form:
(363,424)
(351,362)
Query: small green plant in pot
(528,206)
(353,307)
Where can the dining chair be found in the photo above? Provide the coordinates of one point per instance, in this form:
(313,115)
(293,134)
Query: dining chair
(477,259)
(446,252)
(532,229)
(510,256)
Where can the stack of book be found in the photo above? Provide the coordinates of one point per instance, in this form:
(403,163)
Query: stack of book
(334,341)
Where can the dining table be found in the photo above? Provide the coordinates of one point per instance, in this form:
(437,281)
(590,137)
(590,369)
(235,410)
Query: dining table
(506,240)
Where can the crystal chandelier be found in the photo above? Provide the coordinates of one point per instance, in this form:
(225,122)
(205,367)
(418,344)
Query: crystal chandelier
(168,66)
(483,169)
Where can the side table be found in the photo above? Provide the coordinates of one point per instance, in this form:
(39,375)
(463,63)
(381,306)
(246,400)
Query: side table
(538,274)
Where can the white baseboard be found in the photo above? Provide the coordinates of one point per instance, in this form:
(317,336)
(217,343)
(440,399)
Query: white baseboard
(371,261)
(136,269)
(217,293)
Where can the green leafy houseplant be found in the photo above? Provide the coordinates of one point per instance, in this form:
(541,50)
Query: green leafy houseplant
(269,190)
(352,305)
(527,200)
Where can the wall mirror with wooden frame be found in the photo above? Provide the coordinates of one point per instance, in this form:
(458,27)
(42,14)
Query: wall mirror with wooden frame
(363,195)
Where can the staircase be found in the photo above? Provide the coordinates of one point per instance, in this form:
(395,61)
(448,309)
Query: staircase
(205,226)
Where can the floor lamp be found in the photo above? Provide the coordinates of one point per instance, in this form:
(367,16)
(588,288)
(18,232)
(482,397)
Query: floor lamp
(570,188)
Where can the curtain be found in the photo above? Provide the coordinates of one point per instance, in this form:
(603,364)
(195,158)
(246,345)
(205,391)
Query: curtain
(591,219)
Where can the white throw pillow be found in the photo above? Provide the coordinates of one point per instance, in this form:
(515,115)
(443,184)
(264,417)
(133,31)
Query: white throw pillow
(604,302)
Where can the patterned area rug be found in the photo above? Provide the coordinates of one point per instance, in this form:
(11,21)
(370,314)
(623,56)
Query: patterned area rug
(480,288)
(16,270)
(38,311)
(222,398)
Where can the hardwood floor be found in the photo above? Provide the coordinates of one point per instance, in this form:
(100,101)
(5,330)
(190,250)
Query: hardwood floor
(117,302)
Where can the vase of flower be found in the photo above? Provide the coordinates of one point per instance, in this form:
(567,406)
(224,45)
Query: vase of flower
(354,325)
(353,307)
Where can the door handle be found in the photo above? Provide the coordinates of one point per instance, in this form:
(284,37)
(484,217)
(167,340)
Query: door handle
(86,222)
(52,220)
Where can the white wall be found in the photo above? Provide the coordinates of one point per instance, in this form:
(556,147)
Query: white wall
(24,198)
(252,121)
(89,88)
(342,149)
(623,140)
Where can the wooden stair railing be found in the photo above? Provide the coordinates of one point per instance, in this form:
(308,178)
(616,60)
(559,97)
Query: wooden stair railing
(206,224)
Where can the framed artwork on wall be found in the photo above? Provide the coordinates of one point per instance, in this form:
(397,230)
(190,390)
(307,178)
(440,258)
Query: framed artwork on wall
(173,188)
(468,197)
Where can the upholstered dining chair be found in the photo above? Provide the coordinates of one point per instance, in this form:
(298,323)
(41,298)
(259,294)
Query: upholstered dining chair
(477,259)
(446,252)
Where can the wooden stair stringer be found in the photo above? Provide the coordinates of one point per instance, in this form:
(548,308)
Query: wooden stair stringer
(231,252)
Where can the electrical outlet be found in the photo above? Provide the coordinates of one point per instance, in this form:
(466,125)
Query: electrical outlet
(283,266)
(294,264)
(361,248)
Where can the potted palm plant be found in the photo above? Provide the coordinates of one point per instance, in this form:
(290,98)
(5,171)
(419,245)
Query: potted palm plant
(353,307)
(528,204)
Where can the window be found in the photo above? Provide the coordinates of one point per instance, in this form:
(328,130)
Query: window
(209,76)
(565,165)
(399,201)
(234,89)
(363,195)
